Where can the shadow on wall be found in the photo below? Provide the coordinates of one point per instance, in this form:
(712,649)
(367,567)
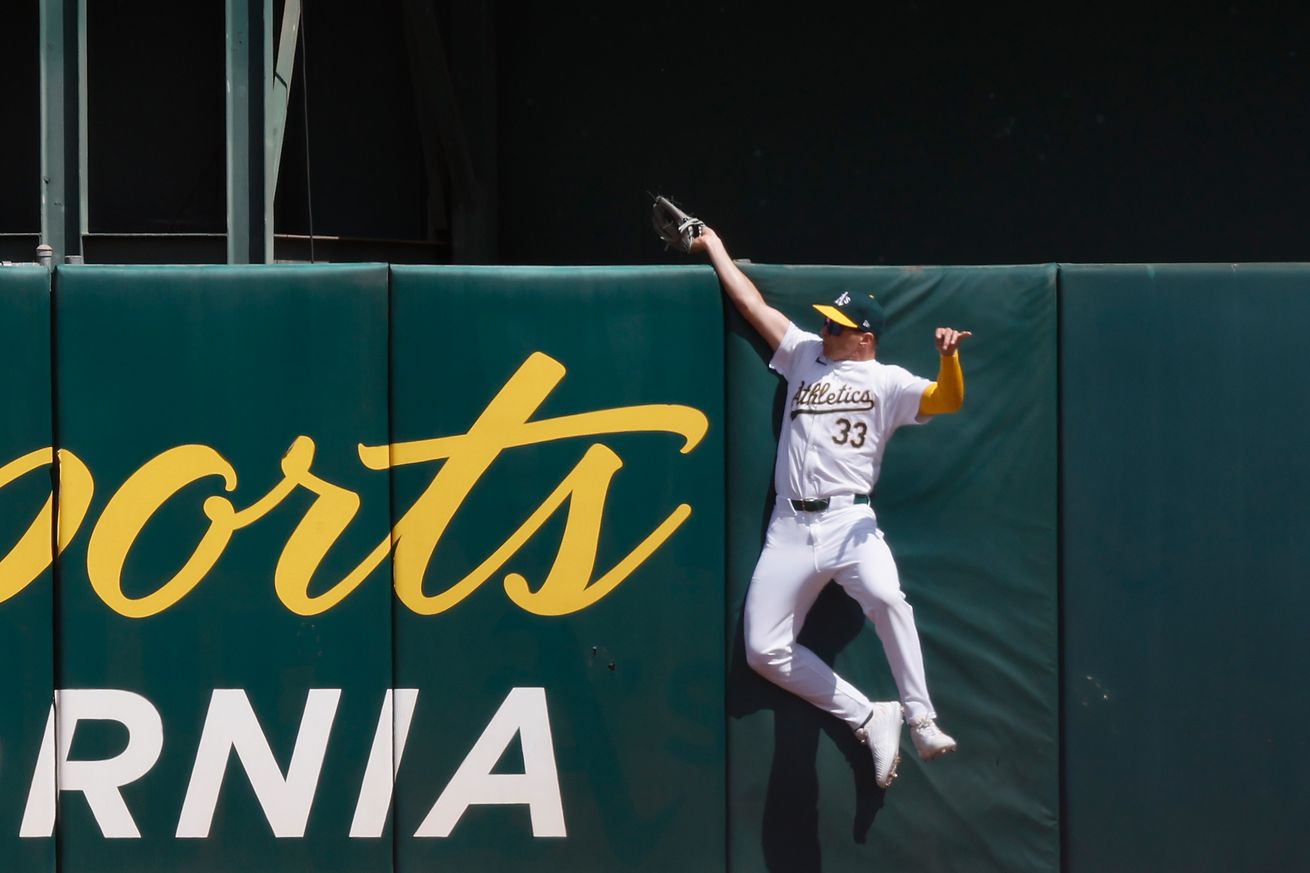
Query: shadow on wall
(791,813)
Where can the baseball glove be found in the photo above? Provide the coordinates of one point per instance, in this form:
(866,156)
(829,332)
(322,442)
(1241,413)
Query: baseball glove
(674,226)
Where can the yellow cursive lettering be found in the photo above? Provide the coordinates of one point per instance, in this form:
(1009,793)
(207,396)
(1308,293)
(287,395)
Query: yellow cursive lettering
(309,543)
(142,495)
(568,586)
(504,424)
(32,554)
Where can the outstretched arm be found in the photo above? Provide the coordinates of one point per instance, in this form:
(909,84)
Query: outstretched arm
(947,393)
(768,322)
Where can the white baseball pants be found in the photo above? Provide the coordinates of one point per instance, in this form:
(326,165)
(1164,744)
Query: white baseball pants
(802,551)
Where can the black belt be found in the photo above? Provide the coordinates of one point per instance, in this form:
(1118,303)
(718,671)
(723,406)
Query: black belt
(819,504)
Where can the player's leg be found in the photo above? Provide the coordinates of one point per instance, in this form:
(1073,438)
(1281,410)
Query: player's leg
(867,571)
(782,591)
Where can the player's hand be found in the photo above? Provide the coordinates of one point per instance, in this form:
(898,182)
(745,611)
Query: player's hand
(706,239)
(949,339)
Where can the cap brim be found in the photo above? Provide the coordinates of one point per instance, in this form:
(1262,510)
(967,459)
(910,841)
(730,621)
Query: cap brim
(835,314)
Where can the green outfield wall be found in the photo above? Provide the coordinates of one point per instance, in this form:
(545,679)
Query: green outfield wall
(593,399)
(220,413)
(366,568)
(27,617)
(1186,422)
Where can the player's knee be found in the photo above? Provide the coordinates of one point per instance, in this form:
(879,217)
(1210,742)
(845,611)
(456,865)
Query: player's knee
(890,603)
(767,660)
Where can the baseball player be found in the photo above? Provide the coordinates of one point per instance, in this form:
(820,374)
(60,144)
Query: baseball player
(842,407)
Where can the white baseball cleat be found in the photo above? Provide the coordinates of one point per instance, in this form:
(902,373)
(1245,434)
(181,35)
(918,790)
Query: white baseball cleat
(881,732)
(929,739)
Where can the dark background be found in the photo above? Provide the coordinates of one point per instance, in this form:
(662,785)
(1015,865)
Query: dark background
(901,133)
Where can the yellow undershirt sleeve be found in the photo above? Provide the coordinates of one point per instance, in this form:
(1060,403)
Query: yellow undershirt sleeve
(947,393)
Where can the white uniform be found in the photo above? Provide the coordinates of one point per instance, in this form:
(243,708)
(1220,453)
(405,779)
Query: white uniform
(836,424)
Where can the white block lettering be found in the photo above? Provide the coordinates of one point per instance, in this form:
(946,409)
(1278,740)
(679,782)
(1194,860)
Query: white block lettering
(39,816)
(383,763)
(523,713)
(99,781)
(231,725)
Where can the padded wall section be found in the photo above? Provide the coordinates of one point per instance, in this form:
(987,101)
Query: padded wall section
(26,589)
(220,642)
(968,505)
(1185,423)
(525,478)
(569,711)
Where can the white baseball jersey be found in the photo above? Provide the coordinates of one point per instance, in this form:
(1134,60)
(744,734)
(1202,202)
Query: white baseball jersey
(838,418)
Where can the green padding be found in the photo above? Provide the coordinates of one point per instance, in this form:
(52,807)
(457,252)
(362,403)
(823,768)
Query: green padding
(27,612)
(1185,427)
(633,683)
(968,504)
(242,361)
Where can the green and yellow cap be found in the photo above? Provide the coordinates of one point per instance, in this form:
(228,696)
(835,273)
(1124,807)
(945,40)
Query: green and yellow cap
(858,311)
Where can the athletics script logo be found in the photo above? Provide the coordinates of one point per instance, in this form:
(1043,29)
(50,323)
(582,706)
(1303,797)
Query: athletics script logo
(824,397)
(569,586)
